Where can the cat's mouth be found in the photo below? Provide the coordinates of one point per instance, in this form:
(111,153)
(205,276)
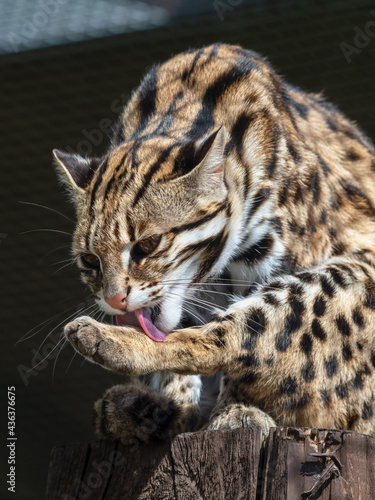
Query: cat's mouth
(145,318)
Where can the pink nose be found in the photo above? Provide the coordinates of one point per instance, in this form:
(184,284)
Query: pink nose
(118,301)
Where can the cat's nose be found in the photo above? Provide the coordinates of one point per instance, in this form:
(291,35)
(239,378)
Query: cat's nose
(118,301)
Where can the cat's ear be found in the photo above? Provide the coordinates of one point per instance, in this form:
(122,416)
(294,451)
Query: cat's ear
(75,171)
(209,172)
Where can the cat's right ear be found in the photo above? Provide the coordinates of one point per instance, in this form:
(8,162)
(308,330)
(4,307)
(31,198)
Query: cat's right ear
(74,171)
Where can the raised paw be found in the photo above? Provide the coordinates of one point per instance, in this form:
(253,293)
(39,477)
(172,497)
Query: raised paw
(134,411)
(85,335)
(236,416)
(122,349)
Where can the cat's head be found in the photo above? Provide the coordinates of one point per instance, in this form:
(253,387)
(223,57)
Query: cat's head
(151,220)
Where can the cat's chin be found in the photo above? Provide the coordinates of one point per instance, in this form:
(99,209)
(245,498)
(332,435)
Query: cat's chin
(142,318)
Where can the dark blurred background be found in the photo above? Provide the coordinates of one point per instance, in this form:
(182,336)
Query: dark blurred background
(66,69)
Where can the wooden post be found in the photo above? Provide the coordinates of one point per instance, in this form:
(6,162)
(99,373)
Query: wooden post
(294,464)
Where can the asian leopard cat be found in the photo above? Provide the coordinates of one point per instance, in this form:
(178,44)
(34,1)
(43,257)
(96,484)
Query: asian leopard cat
(230,228)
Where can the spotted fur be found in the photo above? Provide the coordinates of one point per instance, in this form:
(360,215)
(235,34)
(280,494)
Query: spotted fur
(255,189)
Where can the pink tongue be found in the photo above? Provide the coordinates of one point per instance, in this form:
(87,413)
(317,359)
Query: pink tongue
(148,327)
(142,317)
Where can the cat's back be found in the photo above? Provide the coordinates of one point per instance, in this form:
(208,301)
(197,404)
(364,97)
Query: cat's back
(198,88)
(194,92)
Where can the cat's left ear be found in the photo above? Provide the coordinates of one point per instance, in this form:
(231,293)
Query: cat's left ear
(209,172)
(75,171)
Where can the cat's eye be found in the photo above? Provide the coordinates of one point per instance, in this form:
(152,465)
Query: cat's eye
(144,247)
(90,260)
(148,245)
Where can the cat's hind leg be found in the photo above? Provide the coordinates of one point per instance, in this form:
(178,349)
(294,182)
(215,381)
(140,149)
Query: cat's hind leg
(135,410)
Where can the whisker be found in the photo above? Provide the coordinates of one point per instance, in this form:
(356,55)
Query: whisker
(205,325)
(75,313)
(199,318)
(49,354)
(190,300)
(51,251)
(198,303)
(99,315)
(40,326)
(211,280)
(102,317)
(55,362)
(95,314)
(54,329)
(199,300)
(74,297)
(213,283)
(46,229)
(62,267)
(207,290)
(70,260)
(236,283)
(71,361)
(47,208)
(187,302)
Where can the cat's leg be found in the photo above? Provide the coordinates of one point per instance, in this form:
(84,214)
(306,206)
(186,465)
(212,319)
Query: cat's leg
(135,411)
(232,414)
(301,348)
(168,406)
(190,351)
(158,406)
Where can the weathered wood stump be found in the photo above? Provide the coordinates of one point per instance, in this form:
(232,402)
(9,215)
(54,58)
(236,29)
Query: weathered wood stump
(294,464)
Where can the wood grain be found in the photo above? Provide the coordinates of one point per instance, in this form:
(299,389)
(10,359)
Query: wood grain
(294,464)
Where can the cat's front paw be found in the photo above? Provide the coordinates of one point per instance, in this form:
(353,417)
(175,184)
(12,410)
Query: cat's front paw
(95,341)
(115,348)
